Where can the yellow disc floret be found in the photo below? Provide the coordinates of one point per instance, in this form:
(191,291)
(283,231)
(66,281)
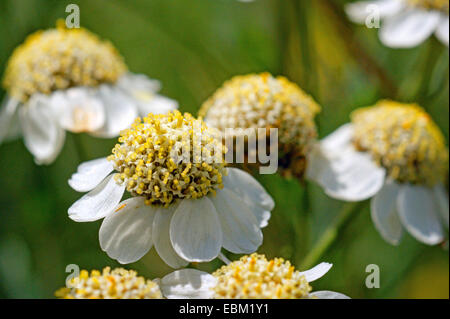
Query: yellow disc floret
(404,140)
(116,284)
(440,5)
(263,101)
(58,59)
(168,157)
(255,277)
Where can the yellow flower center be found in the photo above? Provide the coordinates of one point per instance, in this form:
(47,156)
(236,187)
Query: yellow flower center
(440,5)
(116,284)
(169,157)
(404,140)
(58,59)
(254,277)
(257,101)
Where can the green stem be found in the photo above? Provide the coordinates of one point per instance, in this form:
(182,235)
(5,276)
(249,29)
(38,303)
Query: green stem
(329,235)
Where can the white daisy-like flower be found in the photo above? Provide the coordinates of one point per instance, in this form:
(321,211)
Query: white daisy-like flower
(407,23)
(69,80)
(185,202)
(118,283)
(251,277)
(245,104)
(394,153)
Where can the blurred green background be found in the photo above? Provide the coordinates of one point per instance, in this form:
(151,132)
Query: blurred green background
(192,47)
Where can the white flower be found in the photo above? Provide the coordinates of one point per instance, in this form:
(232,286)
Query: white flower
(188,210)
(407,23)
(251,277)
(395,154)
(69,80)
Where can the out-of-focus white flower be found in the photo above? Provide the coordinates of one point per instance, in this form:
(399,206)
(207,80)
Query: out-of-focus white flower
(407,23)
(185,202)
(247,103)
(68,79)
(118,283)
(251,277)
(396,154)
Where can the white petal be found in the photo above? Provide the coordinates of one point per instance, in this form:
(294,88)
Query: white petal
(441,198)
(346,174)
(188,284)
(119,109)
(7,114)
(384,213)
(248,188)
(316,272)
(359,11)
(161,237)
(99,202)
(409,28)
(78,110)
(241,234)
(326,294)
(43,137)
(340,138)
(418,214)
(90,174)
(126,234)
(442,30)
(195,230)
(130,82)
(148,102)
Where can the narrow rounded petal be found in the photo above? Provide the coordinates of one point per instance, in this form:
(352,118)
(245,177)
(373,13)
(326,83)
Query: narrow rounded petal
(154,103)
(441,198)
(126,234)
(131,81)
(161,237)
(7,114)
(384,213)
(99,202)
(347,174)
(248,188)
(340,138)
(409,28)
(43,136)
(90,174)
(316,272)
(188,284)
(418,214)
(241,233)
(120,111)
(326,294)
(442,30)
(195,230)
(359,11)
(78,110)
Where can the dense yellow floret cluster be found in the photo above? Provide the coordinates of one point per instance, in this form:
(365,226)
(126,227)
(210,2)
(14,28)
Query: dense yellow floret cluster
(441,5)
(58,59)
(169,157)
(255,277)
(116,284)
(257,101)
(404,140)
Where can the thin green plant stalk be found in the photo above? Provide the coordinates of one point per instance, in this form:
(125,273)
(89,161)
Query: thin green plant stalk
(330,234)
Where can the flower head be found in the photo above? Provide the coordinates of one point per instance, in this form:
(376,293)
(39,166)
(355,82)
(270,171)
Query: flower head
(116,284)
(406,23)
(169,157)
(396,154)
(251,277)
(69,80)
(58,59)
(404,140)
(184,201)
(257,101)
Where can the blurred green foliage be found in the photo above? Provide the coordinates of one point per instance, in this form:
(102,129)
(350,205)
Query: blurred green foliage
(192,47)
